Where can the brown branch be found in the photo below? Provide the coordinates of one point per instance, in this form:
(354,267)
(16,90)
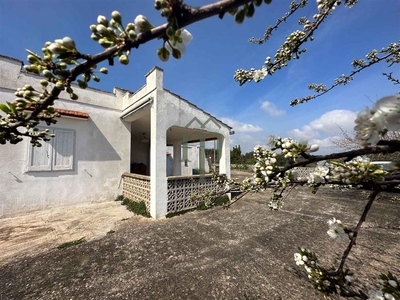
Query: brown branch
(395,146)
(353,239)
(269,30)
(296,101)
(189,15)
(391,78)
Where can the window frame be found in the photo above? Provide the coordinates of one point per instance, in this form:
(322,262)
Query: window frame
(51,165)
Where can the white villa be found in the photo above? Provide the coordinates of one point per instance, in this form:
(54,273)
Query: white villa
(108,144)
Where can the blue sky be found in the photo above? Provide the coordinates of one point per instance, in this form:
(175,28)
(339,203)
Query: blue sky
(204,75)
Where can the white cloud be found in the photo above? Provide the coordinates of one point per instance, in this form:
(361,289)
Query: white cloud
(241,127)
(271,109)
(320,131)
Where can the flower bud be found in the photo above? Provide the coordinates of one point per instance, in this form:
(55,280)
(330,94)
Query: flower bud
(47,74)
(94,37)
(103,70)
(313,148)
(250,10)
(32,59)
(142,24)
(166,12)
(157,4)
(32,68)
(102,20)
(176,53)
(163,54)
(68,42)
(93,28)
(56,48)
(47,58)
(60,85)
(44,83)
(132,34)
(239,17)
(117,17)
(130,26)
(102,29)
(105,43)
(28,87)
(82,84)
(123,59)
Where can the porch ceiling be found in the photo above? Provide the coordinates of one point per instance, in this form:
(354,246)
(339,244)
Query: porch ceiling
(183,134)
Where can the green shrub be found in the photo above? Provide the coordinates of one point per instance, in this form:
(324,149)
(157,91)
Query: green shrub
(138,208)
(119,198)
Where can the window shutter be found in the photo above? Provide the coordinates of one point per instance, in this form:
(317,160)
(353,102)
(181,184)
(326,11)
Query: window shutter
(40,157)
(63,144)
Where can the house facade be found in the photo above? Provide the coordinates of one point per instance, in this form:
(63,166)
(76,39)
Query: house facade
(103,143)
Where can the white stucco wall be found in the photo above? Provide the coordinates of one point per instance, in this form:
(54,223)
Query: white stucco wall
(104,144)
(102,152)
(168,110)
(193,156)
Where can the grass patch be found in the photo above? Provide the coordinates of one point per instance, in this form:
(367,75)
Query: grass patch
(72,243)
(201,206)
(138,208)
(119,198)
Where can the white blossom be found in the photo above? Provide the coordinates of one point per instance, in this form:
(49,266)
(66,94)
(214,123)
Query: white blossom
(389,296)
(313,148)
(388,109)
(186,37)
(375,295)
(142,24)
(298,259)
(348,278)
(318,176)
(392,283)
(336,230)
(384,116)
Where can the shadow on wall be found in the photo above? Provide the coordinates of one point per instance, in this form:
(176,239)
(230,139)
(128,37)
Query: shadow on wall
(92,145)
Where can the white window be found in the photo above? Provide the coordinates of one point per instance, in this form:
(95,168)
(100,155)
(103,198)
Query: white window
(54,155)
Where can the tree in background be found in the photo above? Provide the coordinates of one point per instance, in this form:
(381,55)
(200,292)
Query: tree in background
(236,155)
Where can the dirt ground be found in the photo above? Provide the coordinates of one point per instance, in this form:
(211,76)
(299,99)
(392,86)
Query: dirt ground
(245,252)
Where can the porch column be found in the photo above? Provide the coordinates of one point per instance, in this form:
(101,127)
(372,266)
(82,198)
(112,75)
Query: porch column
(177,158)
(224,161)
(158,158)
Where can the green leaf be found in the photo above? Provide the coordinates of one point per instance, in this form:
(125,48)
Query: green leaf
(33,53)
(11,107)
(5,108)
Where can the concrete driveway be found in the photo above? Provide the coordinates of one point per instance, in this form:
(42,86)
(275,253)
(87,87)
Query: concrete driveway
(37,232)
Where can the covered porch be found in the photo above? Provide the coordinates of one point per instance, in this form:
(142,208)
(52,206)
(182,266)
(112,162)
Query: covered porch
(168,141)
